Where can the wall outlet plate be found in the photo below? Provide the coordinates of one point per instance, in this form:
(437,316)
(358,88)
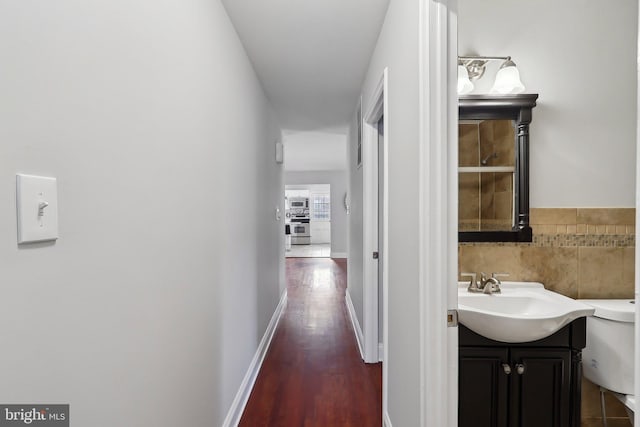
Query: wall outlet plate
(37,208)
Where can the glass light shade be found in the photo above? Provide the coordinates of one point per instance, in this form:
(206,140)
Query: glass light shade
(464,84)
(508,81)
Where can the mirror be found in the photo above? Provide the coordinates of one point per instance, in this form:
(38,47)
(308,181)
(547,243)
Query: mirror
(493,168)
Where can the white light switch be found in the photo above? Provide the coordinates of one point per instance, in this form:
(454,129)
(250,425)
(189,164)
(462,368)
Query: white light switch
(37,208)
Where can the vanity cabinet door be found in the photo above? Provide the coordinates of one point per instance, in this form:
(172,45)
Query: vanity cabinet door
(540,387)
(482,387)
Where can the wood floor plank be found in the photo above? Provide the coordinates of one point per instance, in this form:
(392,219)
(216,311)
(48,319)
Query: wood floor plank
(312,375)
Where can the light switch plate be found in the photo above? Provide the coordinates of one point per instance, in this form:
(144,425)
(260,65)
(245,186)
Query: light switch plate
(37,208)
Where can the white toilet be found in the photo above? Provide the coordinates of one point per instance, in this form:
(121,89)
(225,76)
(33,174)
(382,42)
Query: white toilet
(608,357)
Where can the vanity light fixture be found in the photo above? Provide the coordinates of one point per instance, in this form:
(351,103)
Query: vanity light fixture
(464,83)
(507,79)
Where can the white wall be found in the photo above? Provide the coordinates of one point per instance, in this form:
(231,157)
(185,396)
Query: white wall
(150,306)
(355,225)
(397,49)
(338,182)
(319,150)
(580,56)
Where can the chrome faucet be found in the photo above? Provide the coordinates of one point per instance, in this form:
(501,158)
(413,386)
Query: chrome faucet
(487,285)
(492,284)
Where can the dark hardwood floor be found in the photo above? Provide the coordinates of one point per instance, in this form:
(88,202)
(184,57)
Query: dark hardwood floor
(312,374)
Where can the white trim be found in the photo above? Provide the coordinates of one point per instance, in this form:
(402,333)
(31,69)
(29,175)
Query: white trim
(379,107)
(637,260)
(386,420)
(380,352)
(437,211)
(370,217)
(338,255)
(242,396)
(357,331)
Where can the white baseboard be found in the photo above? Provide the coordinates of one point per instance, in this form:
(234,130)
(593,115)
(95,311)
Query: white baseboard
(354,322)
(380,352)
(386,420)
(240,401)
(338,254)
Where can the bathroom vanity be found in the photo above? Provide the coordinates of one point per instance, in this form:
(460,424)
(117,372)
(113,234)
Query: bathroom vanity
(529,384)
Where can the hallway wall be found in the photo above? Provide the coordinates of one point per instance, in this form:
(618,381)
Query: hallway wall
(150,306)
(338,181)
(397,49)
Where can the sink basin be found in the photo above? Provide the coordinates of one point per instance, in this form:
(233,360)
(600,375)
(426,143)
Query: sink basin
(522,312)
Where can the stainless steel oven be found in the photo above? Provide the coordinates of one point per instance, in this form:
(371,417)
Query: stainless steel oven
(300,231)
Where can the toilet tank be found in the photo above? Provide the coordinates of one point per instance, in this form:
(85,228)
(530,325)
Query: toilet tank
(608,357)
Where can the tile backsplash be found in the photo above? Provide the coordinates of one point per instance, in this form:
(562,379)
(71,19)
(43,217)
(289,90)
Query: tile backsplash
(578,252)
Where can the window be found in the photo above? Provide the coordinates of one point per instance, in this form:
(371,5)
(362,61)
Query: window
(321,207)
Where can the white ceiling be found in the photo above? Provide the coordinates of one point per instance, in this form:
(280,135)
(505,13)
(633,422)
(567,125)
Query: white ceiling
(310,55)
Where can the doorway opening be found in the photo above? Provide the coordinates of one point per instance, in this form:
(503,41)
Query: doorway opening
(308,220)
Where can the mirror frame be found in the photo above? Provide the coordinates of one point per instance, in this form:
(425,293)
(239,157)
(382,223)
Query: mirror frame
(505,107)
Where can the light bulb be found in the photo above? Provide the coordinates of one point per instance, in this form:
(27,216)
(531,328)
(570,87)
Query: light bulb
(508,80)
(464,84)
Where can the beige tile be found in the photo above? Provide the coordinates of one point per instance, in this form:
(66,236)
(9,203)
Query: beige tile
(611,229)
(504,142)
(612,422)
(600,273)
(561,229)
(601,229)
(631,229)
(628,272)
(553,216)
(546,229)
(581,229)
(487,196)
(555,267)
(621,229)
(468,150)
(592,229)
(615,408)
(591,422)
(503,207)
(572,229)
(616,216)
(504,182)
(468,196)
(590,400)
(488,259)
(486,142)
(619,422)
(469,225)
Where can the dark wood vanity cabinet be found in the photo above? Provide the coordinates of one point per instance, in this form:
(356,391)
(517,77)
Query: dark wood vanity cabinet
(521,385)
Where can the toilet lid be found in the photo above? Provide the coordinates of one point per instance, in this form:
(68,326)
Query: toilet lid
(621,310)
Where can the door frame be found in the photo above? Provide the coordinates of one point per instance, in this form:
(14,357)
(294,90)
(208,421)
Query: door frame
(438,212)
(377,109)
(637,260)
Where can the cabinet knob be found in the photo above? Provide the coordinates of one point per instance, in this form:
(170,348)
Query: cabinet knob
(520,369)
(506,368)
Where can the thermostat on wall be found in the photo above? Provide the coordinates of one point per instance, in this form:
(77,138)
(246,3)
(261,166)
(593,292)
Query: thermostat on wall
(37,208)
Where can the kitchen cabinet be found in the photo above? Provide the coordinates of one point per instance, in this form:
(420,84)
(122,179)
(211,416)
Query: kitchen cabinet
(523,384)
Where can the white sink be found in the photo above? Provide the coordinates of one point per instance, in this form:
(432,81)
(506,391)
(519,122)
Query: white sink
(522,312)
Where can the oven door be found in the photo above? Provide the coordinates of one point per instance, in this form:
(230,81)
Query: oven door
(300,232)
